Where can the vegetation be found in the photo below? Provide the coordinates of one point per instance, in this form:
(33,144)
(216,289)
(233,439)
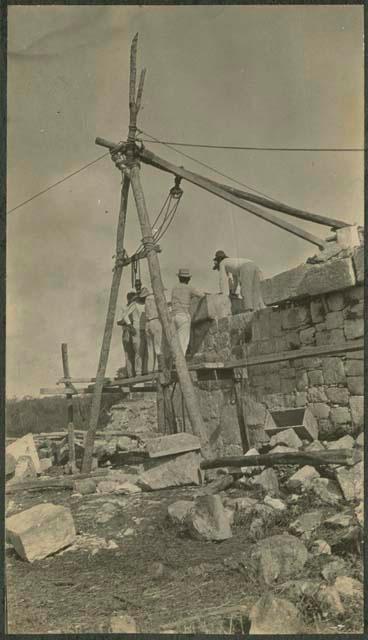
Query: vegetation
(36,415)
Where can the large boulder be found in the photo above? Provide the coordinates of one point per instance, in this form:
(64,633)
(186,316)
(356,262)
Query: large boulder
(279,557)
(208,519)
(351,481)
(172,471)
(302,478)
(40,531)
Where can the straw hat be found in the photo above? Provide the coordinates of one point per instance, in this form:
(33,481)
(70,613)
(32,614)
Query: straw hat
(184,273)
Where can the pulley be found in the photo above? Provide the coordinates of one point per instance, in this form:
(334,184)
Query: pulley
(176,192)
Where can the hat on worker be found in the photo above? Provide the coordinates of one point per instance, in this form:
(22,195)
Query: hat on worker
(220,255)
(144,293)
(184,273)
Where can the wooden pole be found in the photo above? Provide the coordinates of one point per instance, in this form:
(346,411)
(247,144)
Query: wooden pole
(240,390)
(191,400)
(109,324)
(315,459)
(69,400)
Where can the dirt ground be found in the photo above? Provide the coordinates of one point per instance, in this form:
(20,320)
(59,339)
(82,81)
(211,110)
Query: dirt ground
(159,576)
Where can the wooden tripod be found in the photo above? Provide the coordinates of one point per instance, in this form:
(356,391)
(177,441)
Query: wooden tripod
(131,175)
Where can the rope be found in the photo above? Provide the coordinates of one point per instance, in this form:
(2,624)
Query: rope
(239,148)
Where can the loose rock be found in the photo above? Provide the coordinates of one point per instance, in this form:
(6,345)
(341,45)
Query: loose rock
(330,601)
(272,615)
(177,511)
(321,547)
(122,623)
(10,464)
(302,478)
(306,523)
(40,531)
(172,472)
(326,490)
(286,437)
(279,557)
(85,487)
(351,481)
(276,504)
(340,520)
(348,587)
(172,444)
(25,446)
(268,481)
(346,442)
(333,568)
(208,519)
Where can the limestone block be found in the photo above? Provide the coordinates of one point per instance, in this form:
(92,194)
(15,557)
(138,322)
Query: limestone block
(271,616)
(306,523)
(295,317)
(301,380)
(308,336)
(337,395)
(208,519)
(172,471)
(287,386)
(45,463)
(10,464)
(279,557)
(302,478)
(315,377)
(351,481)
(317,310)
(336,301)
(326,490)
(324,278)
(178,511)
(25,446)
(283,286)
(211,307)
(40,531)
(24,470)
(356,385)
(292,340)
(358,260)
(267,479)
(354,328)
(172,444)
(333,371)
(354,367)
(346,442)
(317,394)
(300,399)
(334,320)
(348,237)
(357,410)
(340,415)
(320,410)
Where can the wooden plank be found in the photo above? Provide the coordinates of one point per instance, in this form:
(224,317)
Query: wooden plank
(64,482)
(55,391)
(314,459)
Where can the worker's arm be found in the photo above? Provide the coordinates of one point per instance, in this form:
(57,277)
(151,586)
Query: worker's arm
(197,293)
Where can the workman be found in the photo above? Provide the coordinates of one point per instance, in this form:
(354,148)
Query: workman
(133,318)
(153,330)
(181,297)
(127,337)
(241,272)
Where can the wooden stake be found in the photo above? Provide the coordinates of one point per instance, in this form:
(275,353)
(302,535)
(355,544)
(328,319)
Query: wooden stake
(109,324)
(69,400)
(240,390)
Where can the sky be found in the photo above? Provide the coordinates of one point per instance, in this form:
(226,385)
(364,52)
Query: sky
(275,76)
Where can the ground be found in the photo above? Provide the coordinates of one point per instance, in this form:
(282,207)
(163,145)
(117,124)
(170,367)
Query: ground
(158,575)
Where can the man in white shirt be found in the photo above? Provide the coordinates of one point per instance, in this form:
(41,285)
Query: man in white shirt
(133,317)
(126,337)
(241,272)
(153,330)
(181,297)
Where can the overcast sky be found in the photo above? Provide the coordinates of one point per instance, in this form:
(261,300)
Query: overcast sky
(255,76)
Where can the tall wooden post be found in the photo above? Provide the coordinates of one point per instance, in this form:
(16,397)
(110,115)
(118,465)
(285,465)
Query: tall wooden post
(69,400)
(109,324)
(185,380)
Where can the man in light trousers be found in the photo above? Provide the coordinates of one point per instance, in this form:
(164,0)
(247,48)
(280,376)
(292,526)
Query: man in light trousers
(153,331)
(243,272)
(181,297)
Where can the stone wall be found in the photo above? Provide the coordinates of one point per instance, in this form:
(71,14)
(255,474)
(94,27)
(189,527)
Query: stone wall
(325,308)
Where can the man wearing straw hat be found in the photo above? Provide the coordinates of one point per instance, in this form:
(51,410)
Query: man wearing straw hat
(241,272)
(181,297)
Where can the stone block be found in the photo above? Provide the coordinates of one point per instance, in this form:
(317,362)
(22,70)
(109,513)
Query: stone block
(261,324)
(284,286)
(317,310)
(326,490)
(271,616)
(279,557)
(172,471)
(356,385)
(267,479)
(300,399)
(346,442)
(45,464)
(340,415)
(292,340)
(178,511)
(25,446)
(271,383)
(302,478)
(324,278)
(256,413)
(320,326)
(348,237)
(10,464)
(358,260)
(336,301)
(355,294)
(295,317)
(311,363)
(275,323)
(211,307)
(172,444)
(301,380)
(333,371)
(356,311)
(315,377)
(308,336)
(40,531)
(354,367)
(286,437)
(334,336)
(24,470)
(357,411)
(208,519)
(337,395)
(287,385)
(334,320)
(85,487)
(320,410)
(354,328)
(351,481)
(306,523)
(317,394)
(316,445)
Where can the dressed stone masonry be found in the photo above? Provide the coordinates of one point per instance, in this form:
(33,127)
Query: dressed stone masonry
(313,305)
